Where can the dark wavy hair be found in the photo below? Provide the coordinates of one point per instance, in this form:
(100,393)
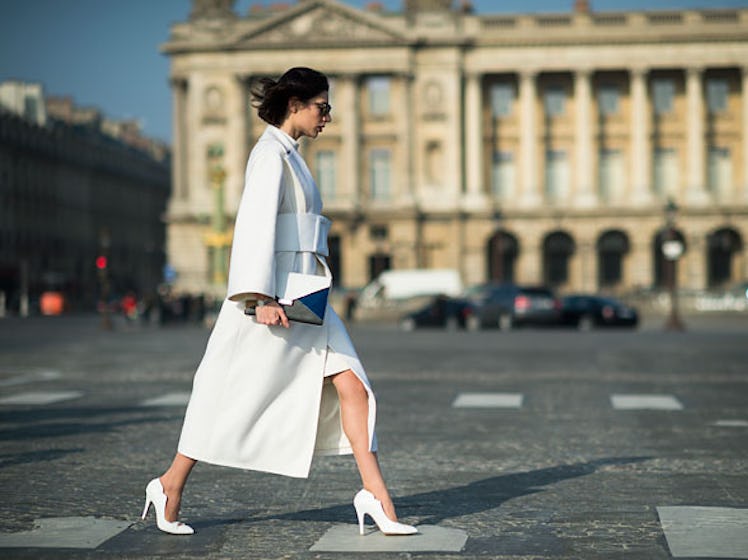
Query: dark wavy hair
(271,96)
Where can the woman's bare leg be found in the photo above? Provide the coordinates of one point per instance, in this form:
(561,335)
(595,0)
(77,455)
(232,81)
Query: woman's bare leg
(354,411)
(173,481)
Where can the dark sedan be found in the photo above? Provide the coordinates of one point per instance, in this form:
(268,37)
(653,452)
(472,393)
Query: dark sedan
(508,305)
(586,312)
(440,312)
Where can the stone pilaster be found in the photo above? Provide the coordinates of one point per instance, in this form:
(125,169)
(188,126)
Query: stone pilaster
(529,140)
(474,191)
(179,132)
(406,194)
(237,151)
(585,195)
(695,187)
(641,149)
(351,122)
(745,136)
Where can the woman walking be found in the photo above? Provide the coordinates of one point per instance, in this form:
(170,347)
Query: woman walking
(269,393)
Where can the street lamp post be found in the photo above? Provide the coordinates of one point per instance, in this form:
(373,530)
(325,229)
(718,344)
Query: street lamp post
(672,249)
(219,238)
(498,219)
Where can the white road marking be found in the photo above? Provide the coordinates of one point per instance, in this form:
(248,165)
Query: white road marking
(40,397)
(430,538)
(645,402)
(170,399)
(488,400)
(732,423)
(44,375)
(65,532)
(705,532)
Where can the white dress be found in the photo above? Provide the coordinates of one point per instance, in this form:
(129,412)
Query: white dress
(259,398)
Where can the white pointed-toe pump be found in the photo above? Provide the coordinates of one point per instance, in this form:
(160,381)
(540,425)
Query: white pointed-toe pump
(154,494)
(366,504)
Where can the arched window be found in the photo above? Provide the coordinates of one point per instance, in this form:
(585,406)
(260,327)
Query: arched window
(612,246)
(722,245)
(558,247)
(503,249)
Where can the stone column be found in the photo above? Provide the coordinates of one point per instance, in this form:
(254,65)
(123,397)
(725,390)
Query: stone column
(745,136)
(641,151)
(244,107)
(473,157)
(350,116)
(179,141)
(406,192)
(585,195)
(237,151)
(696,192)
(528,141)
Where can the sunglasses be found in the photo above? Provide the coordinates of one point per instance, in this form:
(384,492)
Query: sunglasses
(324,109)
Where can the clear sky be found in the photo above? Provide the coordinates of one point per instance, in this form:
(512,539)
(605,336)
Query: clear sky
(106,52)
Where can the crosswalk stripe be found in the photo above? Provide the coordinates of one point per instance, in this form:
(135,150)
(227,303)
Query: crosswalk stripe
(170,399)
(431,538)
(488,400)
(705,532)
(645,402)
(40,397)
(65,532)
(45,375)
(732,423)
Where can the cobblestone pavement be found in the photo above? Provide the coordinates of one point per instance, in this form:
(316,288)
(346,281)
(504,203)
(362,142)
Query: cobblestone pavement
(556,471)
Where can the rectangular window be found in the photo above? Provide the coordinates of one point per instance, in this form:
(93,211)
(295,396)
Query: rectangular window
(716,95)
(663,92)
(502,175)
(720,171)
(326,174)
(378,88)
(553,100)
(380,174)
(502,97)
(665,171)
(607,100)
(610,175)
(556,175)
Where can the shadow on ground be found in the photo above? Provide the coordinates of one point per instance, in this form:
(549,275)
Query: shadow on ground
(482,495)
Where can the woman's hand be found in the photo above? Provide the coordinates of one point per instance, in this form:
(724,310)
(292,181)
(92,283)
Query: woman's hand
(271,314)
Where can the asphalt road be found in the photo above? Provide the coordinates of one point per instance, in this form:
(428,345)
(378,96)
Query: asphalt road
(553,463)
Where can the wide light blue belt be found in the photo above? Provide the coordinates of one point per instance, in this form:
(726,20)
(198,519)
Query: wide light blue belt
(306,233)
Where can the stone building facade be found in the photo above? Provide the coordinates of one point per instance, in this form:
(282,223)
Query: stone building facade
(70,194)
(535,148)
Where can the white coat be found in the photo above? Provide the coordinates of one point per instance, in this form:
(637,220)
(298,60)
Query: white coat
(259,400)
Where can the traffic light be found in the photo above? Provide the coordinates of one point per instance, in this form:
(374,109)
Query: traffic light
(101,262)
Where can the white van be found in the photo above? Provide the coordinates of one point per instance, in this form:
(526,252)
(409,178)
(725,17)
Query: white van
(393,288)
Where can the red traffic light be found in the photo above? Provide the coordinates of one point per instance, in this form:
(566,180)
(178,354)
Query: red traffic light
(101,262)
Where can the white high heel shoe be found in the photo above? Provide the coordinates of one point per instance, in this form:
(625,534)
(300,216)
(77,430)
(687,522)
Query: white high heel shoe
(154,494)
(366,504)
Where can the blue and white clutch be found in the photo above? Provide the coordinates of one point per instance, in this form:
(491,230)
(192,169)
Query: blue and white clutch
(304,298)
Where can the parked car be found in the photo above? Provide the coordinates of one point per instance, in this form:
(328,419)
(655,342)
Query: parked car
(441,312)
(508,305)
(585,312)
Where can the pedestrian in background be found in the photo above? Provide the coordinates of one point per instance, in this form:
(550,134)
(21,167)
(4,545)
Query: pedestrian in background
(270,394)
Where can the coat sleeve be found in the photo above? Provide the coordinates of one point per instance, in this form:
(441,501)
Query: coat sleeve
(252,268)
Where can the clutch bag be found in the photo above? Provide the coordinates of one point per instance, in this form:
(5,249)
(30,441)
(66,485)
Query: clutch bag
(304,298)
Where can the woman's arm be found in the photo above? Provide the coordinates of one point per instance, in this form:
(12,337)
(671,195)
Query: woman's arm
(252,269)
